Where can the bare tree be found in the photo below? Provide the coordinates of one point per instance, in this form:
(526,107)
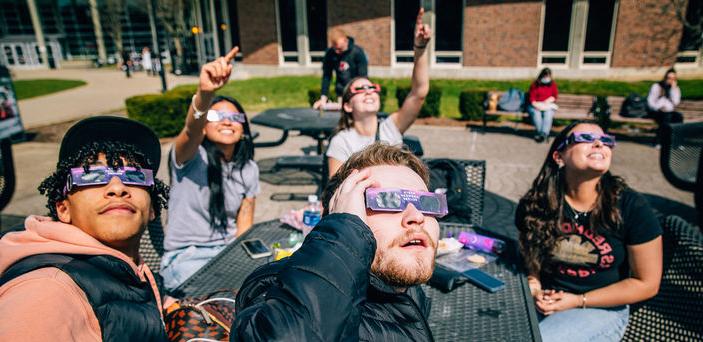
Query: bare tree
(171,13)
(112,14)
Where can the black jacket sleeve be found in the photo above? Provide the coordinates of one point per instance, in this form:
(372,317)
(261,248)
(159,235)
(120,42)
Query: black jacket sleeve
(320,290)
(327,67)
(361,62)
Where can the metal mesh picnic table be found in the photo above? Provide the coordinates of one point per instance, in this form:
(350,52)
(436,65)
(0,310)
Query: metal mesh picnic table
(467,313)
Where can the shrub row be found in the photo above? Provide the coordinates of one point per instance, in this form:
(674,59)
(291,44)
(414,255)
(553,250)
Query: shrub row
(432,101)
(165,113)
(314,95)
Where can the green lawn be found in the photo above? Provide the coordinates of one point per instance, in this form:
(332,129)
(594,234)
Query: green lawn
(32,88)
(257,94)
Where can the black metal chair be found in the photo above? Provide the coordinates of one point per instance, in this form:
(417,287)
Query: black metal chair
(151,249)
(698,193)
(680,154)
(316,164)
(7,173)
(475,171)
(676,313)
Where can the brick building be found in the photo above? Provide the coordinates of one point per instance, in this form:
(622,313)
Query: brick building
(477,37)
(472,38)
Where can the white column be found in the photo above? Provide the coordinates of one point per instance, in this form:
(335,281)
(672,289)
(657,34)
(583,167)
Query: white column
(579,19)
(38,32)
(301,28)
(98,29)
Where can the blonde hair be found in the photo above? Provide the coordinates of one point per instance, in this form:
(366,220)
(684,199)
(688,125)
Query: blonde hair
(336,34)
(378,153)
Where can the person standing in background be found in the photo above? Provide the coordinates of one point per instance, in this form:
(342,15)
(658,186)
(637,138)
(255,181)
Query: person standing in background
(346,59)
(146,61)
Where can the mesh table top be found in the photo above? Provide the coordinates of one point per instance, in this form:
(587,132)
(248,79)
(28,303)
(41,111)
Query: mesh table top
(467,313)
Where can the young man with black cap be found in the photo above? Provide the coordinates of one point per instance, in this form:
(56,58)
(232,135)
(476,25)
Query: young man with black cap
(77,275)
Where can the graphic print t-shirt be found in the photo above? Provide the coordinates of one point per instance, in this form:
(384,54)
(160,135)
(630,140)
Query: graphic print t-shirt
(583,260)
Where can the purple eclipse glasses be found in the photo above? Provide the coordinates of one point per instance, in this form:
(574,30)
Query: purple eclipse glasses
(396,200)
(587,137)
(100,175)
(217,116)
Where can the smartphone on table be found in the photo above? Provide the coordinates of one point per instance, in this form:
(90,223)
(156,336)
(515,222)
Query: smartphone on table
(483,280)
(256,248)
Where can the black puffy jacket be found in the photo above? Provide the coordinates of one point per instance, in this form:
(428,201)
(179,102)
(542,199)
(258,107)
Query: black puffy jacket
(351,63)
(325,292)
(124,305)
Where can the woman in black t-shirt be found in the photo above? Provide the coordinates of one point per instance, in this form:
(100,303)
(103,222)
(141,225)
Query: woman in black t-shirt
(591,245)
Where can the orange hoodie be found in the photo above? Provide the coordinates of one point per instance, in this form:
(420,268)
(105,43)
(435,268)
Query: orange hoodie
(46,304)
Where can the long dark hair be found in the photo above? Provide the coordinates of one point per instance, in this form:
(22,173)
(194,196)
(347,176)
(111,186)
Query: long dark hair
(543,205)
(346,120)
(542,73)
(243,152)
(664,84)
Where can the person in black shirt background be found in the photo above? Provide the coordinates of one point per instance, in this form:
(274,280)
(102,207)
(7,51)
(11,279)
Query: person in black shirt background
(346,59)
(591,245)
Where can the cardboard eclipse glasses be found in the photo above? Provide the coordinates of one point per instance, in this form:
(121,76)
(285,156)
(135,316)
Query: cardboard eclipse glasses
(396,200)
(101,175)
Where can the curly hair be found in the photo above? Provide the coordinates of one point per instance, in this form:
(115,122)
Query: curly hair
(53,185)
(540,211)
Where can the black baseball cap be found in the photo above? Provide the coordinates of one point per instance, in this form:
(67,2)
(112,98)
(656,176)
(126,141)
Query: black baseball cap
(112,128)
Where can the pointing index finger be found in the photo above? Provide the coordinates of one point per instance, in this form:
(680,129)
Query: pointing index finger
(420,13)
(231,54)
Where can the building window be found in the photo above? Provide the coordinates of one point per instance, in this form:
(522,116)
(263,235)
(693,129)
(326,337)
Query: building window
(599,28)
(556,30)
(317,28)
(449,15)
(288,31)
(404,14)
(690,46)
(232,28)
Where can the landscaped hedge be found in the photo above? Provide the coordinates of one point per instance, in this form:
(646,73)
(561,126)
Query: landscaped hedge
(471,104)
(314,95)
(432,100)
(165,114)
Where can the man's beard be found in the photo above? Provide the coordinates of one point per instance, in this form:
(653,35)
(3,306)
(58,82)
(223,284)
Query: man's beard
(395,273)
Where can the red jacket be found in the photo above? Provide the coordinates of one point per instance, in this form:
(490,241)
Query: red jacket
(540,92)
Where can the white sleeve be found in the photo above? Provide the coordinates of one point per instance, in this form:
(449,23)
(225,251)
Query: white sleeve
(390,133)
(675,96)
(337,148)
(653,97)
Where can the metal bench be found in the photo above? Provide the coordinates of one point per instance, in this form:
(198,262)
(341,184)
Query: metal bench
(676,312)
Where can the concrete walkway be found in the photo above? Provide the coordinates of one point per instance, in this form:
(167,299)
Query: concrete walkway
(105,92)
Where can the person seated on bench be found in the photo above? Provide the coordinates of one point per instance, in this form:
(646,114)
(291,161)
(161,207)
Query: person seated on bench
(214,178)
(542,98)
(77,275)
(663,98)
(359,125)
(591,245)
